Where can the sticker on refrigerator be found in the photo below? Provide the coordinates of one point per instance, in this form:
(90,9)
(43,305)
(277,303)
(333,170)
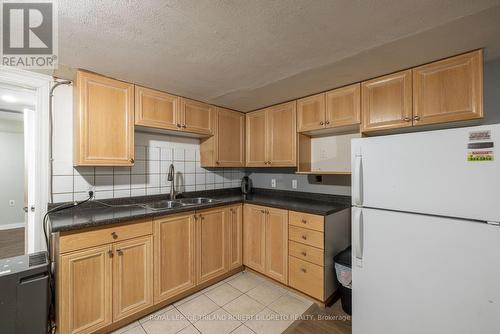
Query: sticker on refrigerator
(479,135)
(480,146)
(481,155)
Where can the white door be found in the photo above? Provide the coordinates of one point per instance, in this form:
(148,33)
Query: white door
(428,172)
(419,274)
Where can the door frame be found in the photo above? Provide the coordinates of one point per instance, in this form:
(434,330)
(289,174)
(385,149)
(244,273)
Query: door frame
(37,162)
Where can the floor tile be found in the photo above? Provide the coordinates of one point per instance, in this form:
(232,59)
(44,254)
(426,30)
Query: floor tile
(155,314)
(223,294)
(245,282)
(230,278)
(188,298)
(128,327)
(268,322)
(288,305)
(211,287)
(169,322)
(265,294)
(196,308)
(243,307)
(218,322)
(189,330)
(242,330)
(135,330)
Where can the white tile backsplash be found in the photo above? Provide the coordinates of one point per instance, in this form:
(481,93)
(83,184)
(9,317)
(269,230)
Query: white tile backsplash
(148,176)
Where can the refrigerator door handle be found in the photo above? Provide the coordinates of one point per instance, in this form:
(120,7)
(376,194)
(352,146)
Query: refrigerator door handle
(357,186)
(357,226)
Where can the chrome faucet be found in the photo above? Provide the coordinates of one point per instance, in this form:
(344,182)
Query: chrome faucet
(170,177)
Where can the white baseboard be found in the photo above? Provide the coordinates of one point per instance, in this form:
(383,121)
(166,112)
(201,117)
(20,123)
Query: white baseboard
(12,226)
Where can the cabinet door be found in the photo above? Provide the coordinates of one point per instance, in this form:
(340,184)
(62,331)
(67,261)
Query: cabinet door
(104,121)
(236,235)
(282,135)
(156,109)
(449,90)
(311,113)
(212,228)
(132,276)
(343,106)
(254,235)
(230,138)
(84,290)
(197,117)
(174,255)
(387,102)
(277,244)
(256,141)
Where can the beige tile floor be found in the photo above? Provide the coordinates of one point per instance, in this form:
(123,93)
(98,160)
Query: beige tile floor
(241,304)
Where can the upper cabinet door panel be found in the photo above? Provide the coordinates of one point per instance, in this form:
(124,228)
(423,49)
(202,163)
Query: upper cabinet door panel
(311,113)
(198,117)
(449,90)
(256,138)
(282,134)
(104,121)
(343,106)
(387,102)
(230,138)
(156,109)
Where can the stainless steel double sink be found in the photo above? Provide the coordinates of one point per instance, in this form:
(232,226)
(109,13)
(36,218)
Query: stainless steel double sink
(179,203)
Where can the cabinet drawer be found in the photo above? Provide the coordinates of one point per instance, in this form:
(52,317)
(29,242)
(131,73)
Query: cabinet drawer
(306,253)
(307,220)
(306,277)
(305,236)
(100,236)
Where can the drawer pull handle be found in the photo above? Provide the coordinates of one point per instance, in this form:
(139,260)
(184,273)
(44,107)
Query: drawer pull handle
(114,235)
(110,253)
(304,221)
(119,251)
(303,270)
(304,237)
(304,254)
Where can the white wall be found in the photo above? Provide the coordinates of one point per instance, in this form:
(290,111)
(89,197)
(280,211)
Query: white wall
(11,174)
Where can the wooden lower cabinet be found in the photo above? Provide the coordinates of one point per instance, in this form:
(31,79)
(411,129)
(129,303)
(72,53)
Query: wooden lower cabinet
(174,259)
(254,237)
(236,234)
(212,230)
(307,277)
(276,265)
(84,290)
(266,241)
(132,276)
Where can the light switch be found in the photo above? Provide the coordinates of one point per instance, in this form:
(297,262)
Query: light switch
(273,183)
(294,184)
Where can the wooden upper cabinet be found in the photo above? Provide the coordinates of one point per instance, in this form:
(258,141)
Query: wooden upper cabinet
(256,138)
(174,255)
(156,109)
(230,138)
(449,90)
(212,228)
(132,276)
(103,121)
(84,290)
(343,106)
(387,102)
(254,237)
(197,117)
(311,113)
(282,135)
(236,235)
(277,244)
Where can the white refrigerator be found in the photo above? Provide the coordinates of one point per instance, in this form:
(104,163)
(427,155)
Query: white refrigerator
(425,233)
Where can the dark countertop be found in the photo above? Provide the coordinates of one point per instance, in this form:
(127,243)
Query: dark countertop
(93,214)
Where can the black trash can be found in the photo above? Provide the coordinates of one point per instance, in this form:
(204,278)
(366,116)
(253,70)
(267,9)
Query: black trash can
(343,268)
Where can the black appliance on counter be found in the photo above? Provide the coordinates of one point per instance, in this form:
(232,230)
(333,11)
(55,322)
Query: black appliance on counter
(246,185)
(24,294)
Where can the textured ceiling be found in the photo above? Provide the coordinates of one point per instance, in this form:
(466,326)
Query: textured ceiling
(247,54)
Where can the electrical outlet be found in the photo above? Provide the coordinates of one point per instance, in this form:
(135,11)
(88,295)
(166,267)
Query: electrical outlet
(273,183)
(12,202)
(294,184)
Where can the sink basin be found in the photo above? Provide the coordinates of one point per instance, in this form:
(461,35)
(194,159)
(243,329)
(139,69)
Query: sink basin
(196,200)
(165,204)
